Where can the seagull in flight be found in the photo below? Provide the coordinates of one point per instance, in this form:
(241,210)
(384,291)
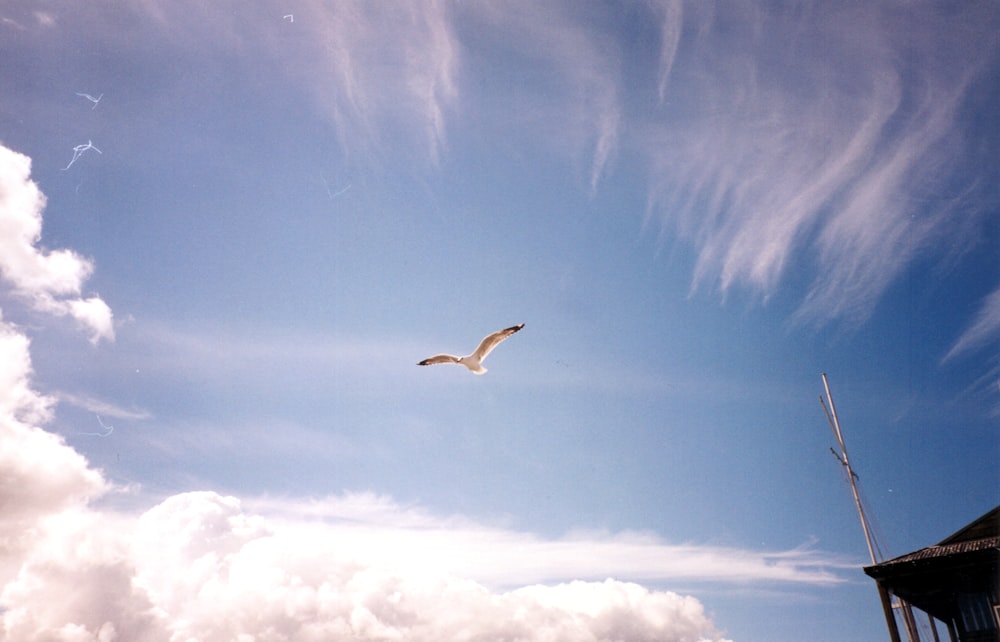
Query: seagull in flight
(474,361)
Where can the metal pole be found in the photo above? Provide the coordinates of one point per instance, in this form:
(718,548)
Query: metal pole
(835,423)
(908,622)
(934,631)
(890,617)
(884,594)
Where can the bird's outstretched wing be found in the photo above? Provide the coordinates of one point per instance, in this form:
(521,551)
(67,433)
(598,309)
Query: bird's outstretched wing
(439,358)
(486,345)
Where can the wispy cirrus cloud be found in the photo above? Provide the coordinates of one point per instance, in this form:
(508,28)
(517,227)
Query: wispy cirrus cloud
(985,327)
(382,74)
(814,135)
(823,136)
(386,77)
(671,21)
(572,99)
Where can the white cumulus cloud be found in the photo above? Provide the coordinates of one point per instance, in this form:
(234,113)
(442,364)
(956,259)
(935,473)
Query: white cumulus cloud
(51,280)
(218,573)
(39,474)
(197,566)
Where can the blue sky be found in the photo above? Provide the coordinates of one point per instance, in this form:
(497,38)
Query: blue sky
(229,232)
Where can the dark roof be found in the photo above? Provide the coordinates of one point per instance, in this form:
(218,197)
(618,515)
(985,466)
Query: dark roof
(944,550)
(980,535)
(986,527)
(964,562)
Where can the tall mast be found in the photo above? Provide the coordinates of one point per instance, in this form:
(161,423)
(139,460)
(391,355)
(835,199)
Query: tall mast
(887,599)
(831,416)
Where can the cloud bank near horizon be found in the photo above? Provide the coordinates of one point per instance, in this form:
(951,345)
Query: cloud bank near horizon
(355,567)
(197,567)
(358,566)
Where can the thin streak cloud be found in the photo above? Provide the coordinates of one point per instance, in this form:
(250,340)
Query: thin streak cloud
(388,78)
(574,80)
(670,35)
(984,328)
(101,407)
(504,557)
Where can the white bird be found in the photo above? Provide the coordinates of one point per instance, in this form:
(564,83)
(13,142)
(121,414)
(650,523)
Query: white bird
(474,361)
